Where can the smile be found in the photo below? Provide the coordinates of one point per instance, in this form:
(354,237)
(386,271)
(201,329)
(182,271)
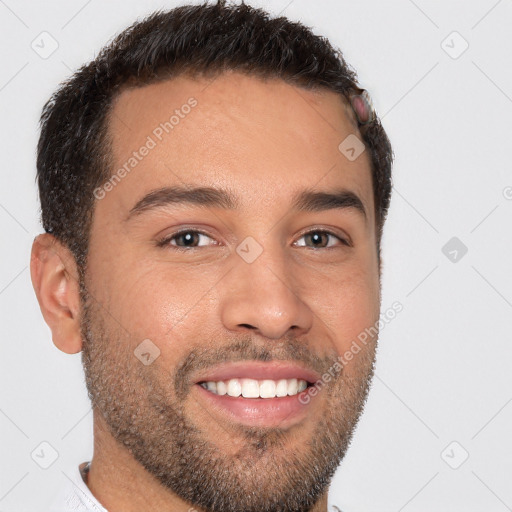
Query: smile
(252,388)
(257,393)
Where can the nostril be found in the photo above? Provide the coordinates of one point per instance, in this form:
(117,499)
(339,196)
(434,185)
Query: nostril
(249,326)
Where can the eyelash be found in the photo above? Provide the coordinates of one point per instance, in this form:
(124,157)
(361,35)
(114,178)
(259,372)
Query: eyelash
(165,242)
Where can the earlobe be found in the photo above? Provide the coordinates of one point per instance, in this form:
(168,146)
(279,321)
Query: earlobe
(54,277)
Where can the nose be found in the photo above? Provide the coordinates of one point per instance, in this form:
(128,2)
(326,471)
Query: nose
(264,296)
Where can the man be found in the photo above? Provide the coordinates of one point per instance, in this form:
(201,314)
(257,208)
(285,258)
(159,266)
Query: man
(213,189)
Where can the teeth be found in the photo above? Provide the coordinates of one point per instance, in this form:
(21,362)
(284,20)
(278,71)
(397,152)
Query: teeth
(222,389)
(234,387)
(251,388)
(293,386)
(267,389)
(282,387)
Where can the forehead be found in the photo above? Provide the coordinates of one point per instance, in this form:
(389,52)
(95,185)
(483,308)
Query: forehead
(265,138)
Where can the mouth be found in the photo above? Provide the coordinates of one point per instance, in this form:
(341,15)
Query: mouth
(256,393)
(252,388)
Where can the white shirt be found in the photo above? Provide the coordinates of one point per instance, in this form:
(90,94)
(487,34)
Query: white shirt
(75,496)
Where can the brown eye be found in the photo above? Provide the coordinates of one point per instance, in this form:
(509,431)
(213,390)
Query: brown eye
(186,239)
(320,239)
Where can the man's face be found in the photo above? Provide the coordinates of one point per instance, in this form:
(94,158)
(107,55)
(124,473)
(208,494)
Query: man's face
(261,287)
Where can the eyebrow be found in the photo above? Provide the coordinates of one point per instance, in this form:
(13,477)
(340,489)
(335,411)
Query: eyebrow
(200,196)
(318,201)
(307,200)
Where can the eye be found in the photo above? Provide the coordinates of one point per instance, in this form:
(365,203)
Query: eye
(320,239)
(190,238)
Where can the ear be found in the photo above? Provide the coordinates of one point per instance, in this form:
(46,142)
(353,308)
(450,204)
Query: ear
(54,275)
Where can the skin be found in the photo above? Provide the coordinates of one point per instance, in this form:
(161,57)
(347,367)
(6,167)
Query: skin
(264,141)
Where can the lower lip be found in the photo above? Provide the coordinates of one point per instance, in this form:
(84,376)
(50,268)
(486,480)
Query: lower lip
(270,412)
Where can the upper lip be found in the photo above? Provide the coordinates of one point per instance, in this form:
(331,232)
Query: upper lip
(257,370)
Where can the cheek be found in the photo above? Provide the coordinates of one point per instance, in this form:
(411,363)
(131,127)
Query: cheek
(348,307)
(163,303)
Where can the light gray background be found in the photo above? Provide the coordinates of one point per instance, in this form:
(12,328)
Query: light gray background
(443,372)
